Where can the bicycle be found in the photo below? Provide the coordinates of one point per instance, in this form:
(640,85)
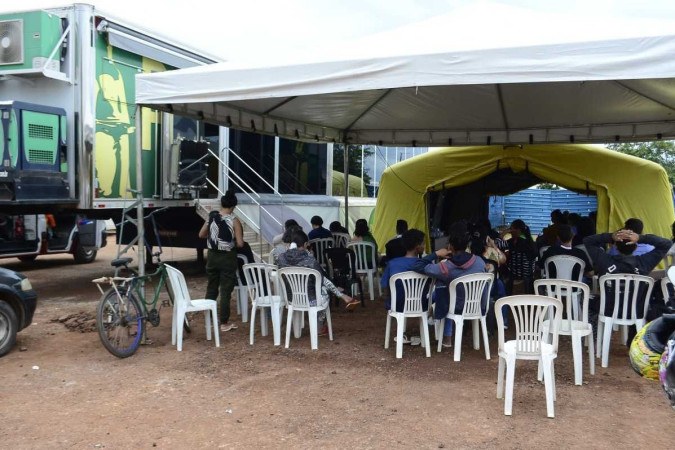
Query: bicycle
(123,310)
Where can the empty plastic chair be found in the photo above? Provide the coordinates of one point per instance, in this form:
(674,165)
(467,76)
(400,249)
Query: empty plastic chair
(415,289)
(182,304)
(476,290)
(295,286)
(574,324)
(242,291)
(529,313)
(629,294)
(366,263)
(259,282)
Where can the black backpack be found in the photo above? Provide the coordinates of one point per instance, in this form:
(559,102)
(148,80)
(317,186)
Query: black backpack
(224,231)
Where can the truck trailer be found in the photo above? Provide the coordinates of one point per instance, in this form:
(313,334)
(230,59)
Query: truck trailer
(67,135)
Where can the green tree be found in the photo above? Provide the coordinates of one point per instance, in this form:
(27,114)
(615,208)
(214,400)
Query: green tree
(355,160)
(660,152)
(546,185)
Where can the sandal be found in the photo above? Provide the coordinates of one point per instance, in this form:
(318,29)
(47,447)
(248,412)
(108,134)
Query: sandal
(405,339)
(415,340)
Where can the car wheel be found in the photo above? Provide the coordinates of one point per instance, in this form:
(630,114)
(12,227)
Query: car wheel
(8,327)
(83,256)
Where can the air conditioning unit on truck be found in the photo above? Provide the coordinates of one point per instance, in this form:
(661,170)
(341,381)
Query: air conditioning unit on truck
(68,134)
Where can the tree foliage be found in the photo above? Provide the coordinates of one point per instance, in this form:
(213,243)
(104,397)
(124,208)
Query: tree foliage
(660,152)
(355,160)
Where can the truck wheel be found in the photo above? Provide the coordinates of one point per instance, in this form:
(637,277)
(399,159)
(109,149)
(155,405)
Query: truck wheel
(8,327)
(27,258)
(83,256)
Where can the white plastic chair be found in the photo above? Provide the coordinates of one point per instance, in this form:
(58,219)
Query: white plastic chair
(627,291)
(259,282)
(529,313)
(341,239)
(565,266)
(666,288)
(295,281)
(366,263)
(415,288)
(182,304)
(477,288)
(242,292)
(319,246)
(574,325)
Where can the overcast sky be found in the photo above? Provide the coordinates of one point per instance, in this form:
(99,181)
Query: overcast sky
(247,30)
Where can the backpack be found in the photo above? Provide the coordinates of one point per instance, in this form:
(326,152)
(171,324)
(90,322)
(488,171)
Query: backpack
(220,234)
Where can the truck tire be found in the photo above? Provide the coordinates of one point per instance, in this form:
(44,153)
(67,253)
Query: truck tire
(8,327)
(83,256)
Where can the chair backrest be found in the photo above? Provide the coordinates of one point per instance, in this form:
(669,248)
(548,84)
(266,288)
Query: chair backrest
(565,290)
(626,289)
(529,313)
(181,295)
(565,266)
(341,239)
(415,288)
(258,280)
(319,246)
(476,288)
(542,250)
(295,285)
(241,261)
(670,273)
(365,255)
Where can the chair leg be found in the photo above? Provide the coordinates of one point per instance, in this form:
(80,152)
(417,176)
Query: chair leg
(424,332)
(207,322)
(500,378)
(439,335)
(577,356)
(549,385)
(238,302)
(591,351)
(601,331)
(476,336)
(370,286)
(387,331)
(298,323)
(275,312)
(400,326)
(251,327)
(174,321)
(606,338)
(243,300)
(624,333)
(289,325)
(459,328)
(264,329)
(179,331)
(330,324)
(214,320)
(313,331)
(510,376)
(483,325)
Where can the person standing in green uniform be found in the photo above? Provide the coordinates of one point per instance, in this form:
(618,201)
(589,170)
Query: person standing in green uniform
(223,231)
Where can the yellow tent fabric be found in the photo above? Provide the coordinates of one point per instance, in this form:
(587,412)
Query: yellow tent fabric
(356,185)
(625,186)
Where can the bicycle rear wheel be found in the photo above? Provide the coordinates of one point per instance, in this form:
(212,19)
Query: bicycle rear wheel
(120,323)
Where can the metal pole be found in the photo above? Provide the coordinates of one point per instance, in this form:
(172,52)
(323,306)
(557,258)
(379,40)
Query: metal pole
(362,163)
(139,187)
(346,173)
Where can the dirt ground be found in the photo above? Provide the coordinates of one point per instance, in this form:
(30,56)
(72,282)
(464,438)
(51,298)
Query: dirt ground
(65,390)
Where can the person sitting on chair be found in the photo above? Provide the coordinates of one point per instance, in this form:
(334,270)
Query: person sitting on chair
(394,248)
(565,248)
(636,226)
(298,255)
(318,231)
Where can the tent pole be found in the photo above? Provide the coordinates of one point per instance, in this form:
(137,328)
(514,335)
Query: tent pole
(140,229)
(345,158)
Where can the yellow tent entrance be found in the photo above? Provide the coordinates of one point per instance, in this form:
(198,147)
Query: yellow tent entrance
(625,186)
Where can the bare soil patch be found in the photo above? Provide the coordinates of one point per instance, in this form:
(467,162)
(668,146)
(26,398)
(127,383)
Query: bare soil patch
(350,393)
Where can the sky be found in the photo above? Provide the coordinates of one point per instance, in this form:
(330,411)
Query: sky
(251,30)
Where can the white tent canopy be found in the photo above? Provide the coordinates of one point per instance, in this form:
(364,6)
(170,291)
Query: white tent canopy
(618,88)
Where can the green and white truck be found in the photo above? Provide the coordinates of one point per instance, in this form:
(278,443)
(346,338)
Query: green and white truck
(67,134)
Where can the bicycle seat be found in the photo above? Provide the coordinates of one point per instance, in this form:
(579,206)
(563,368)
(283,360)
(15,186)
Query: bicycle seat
(119,262)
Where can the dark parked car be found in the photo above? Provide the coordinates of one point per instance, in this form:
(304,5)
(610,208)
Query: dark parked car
(17,305)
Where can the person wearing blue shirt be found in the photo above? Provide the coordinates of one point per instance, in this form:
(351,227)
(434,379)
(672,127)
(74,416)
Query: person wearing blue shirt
(318,231)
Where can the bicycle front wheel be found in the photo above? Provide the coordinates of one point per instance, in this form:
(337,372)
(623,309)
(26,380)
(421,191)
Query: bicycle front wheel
(120,323)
